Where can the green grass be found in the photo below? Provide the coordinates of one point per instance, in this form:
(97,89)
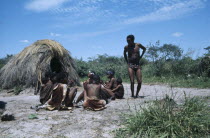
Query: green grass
(168,120)
(197,82)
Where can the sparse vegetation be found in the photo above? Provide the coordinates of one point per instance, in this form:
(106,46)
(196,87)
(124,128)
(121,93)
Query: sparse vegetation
(166,119)
(162,64)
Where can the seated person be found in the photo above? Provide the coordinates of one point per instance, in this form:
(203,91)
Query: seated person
(111,84)
(117,92)
(61,96)
(90,77)
(89,81)
(92,92)
(46,87)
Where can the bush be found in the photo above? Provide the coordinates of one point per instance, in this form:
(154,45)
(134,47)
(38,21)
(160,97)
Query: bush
(101,64)
(167,120)
(4,61)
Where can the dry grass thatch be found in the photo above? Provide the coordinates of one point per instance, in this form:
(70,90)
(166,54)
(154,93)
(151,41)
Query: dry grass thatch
(42,56)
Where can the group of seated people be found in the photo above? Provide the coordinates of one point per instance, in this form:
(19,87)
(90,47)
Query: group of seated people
(57,92)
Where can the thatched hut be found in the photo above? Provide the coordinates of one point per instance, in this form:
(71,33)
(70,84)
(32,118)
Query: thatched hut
(43,56)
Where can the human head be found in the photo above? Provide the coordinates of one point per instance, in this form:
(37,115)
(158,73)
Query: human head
(53,77)
(71,82)
(119,81)
(62,77)
(110,73)
(96,79)
(46,77)
(130,39)
(91,74)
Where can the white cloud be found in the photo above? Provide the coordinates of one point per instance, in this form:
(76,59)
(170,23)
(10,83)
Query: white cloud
(54,34)
(75,13)
(92,34)
(24,41)
(43,5)
(177,34)
(168,12)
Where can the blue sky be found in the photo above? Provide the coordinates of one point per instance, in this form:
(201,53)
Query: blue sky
(90,27)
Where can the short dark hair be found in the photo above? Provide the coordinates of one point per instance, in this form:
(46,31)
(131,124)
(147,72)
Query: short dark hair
(110,72)
(48,74)
(131,37)
(46,77)
(60,76)
(119,80)
(96,78)
(52,75)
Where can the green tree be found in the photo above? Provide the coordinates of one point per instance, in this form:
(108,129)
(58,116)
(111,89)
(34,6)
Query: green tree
(4,61)
(153,51)
(82,67)
(208,51)
(170,51)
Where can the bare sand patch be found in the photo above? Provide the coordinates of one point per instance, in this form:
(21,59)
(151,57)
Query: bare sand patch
(80,123)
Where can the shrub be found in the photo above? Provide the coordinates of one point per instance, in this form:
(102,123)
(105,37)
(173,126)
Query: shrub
(167,120)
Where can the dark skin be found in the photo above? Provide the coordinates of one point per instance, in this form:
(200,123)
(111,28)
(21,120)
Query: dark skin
(41,84)
(111,92)
(132,56)
(89,81)
(70,95)
(92,90)
(111,83)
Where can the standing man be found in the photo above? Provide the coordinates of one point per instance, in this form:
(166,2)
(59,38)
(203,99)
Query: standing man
(132,59)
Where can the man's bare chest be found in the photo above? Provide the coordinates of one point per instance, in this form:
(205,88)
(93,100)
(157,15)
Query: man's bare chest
(133,50)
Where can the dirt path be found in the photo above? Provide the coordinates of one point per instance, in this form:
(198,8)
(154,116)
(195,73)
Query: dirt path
(80,123)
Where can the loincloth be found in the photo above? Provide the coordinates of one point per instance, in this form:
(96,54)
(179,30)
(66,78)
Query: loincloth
(94,104)
(133,66)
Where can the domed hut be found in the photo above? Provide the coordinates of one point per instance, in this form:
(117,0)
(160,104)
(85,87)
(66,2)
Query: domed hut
(43,56)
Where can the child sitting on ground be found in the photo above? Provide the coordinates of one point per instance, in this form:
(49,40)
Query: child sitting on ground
(117,92)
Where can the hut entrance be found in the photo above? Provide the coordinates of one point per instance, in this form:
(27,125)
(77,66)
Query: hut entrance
(55,65)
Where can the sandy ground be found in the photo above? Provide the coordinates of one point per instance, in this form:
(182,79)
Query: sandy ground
(80,123)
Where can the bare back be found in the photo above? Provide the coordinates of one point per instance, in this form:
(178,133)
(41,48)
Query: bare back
(93,90)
